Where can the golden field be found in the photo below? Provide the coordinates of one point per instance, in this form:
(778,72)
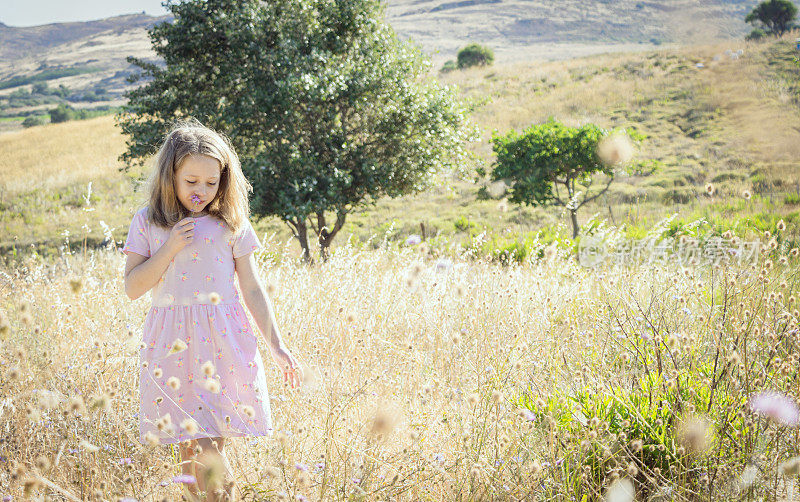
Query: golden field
(445,385)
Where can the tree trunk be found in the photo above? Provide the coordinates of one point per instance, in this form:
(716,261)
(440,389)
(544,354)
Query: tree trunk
(300,232)
(326,235)
(574,216)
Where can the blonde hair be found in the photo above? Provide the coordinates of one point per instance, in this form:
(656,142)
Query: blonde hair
(190,137)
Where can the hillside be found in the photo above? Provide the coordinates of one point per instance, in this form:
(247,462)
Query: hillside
(705,125)
(84,64)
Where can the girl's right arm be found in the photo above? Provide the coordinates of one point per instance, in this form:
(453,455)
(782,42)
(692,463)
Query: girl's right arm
(142,272)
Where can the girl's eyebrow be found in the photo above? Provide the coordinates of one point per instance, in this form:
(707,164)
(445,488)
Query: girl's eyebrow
(196,176)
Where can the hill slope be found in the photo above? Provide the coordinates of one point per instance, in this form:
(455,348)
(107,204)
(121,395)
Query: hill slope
(705,125)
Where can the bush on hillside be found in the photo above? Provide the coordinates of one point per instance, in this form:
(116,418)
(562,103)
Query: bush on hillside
(756,34)
(34,120)
(475,55)
(449,66)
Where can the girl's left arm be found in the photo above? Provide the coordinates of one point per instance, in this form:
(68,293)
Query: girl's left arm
(260,307)
(256,299)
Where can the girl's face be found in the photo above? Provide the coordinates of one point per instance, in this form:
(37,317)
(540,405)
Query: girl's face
(198,175)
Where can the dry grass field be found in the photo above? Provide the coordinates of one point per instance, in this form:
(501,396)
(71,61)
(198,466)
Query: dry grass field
(458,379)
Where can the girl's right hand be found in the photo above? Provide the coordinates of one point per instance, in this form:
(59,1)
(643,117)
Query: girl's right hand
(181,234)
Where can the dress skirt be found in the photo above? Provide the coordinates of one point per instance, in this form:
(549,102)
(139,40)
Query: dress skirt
(201,375)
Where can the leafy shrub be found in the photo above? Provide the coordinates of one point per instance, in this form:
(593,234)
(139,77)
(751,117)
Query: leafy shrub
(475,55)
(34,120)
(609,430)
(792,198)
(680,195)
(62,113)
(463,224)
(449,66)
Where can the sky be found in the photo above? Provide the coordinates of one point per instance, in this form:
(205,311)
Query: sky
(35,12)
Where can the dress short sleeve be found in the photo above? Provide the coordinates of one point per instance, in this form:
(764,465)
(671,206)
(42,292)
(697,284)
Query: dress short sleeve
(246,242)
(137,241)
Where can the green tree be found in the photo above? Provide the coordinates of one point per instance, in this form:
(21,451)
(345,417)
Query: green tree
(326,107)
(475,55)
(775,16)
(544,157)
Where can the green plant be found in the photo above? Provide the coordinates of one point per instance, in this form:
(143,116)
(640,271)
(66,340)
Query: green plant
(475,55)
(449,66)
(463,224)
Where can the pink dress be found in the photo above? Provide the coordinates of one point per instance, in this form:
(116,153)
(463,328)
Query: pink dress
(233,400)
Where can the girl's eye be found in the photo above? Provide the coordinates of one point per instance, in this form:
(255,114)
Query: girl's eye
(212,184)
(190,182)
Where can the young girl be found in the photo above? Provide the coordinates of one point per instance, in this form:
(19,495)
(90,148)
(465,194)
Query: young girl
(201,377)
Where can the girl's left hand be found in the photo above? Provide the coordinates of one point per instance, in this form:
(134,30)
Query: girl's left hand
(292,372)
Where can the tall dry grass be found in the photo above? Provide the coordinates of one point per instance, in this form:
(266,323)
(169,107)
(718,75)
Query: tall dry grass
(427,378)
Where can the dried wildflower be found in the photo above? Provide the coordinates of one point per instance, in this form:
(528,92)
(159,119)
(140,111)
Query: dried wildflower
(190,426)
(151,439)
(30,484)
(781,226)
(76,285)
(475,471)
(636,445)
(208,368)
(497,396)
(248,410)
(13,373)
(790,467)
(173,383)
(776,406)
(536,467)
(158,372)
(694,434)
(76,405)
(615,149)
(86,445)
(383,421)
(212,385)
(303,479)
(747,477)
(101,402)
(709,189)
(42,463)
(621,490)
(632,470)
(165,423)
(178,345)
(472,399)
(746,194)
(214,298)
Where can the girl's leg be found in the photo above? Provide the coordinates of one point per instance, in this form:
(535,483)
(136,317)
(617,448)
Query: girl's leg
(188,465)
(214,453)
